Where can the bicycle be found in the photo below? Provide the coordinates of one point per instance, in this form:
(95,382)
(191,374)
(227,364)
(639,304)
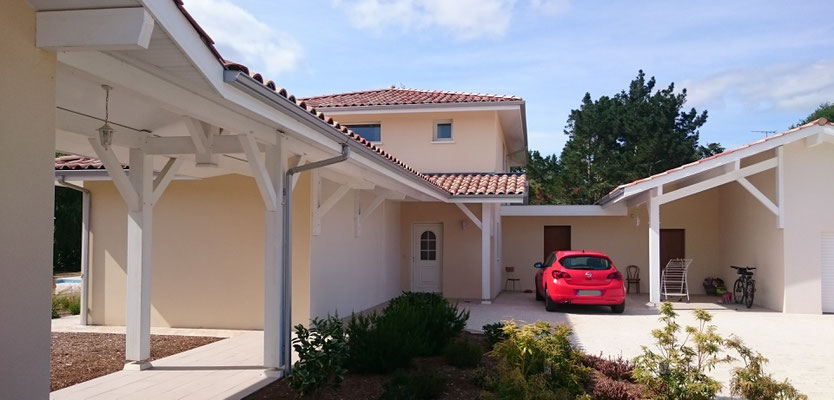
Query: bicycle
(745,286)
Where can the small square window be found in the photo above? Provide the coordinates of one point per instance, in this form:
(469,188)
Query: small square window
(370,132)
(443,131)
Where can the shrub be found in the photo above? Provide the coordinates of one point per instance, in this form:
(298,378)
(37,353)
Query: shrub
(494,332)
(413,324)
(55,307)
(414,385)
(464,353)
(66,303)
(618,369)
(322,351)
(678,371)
(603,387)
(541,355)
(751,382)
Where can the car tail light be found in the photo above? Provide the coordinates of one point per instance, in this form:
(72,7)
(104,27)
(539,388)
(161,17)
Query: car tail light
(561,275)
(616,275)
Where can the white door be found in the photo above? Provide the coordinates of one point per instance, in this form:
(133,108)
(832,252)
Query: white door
(427,257)
(827,269)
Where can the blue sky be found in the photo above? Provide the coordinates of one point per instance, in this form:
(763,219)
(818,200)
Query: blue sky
(754,65)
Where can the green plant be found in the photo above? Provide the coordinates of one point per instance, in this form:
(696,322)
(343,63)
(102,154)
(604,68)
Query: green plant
(414,385)
(752,382)
(494,332)
(413,324)
(540,354)
(618,369)
(55,307)
(463,352)
(322,350)
(678,370)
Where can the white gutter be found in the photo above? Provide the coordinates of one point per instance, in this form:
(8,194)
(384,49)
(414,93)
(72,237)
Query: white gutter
(85,241)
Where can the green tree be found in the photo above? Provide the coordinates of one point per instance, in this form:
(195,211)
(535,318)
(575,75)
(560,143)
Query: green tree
(824,110)
(634,134)
(542,177)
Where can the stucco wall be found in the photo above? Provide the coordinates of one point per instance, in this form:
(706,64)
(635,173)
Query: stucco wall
(461,276)
(750,237)
(808,191)
(622,238)
(409,138)
(27,146)
(208,254)
(351,274)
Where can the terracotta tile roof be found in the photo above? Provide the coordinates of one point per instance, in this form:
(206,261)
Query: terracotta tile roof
(400,96)
(821,121)
(429,96)
(481,184)
(78,162)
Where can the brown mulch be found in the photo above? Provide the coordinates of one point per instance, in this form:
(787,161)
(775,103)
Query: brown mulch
(79,357)
(460,382)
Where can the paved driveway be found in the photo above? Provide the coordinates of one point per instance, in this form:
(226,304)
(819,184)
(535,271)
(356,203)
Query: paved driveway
(800,347)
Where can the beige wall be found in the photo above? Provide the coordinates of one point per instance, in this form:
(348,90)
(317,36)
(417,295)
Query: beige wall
(27,146)
(750,237)
(476,135)
(208,254)
(349,273)
(808,191)
(461,277)
(622,238)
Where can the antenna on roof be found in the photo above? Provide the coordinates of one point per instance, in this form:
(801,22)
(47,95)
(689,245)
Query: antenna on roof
(766,133)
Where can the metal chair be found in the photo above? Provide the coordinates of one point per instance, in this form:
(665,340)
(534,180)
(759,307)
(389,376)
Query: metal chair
(510,270)
(632,278)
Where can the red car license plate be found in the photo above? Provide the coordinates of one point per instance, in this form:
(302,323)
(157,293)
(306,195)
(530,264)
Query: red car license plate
(589,292)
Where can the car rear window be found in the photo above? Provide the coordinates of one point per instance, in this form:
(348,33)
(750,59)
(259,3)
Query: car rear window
(593,263)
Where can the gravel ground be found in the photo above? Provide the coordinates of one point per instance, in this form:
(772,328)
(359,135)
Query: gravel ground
(79,357)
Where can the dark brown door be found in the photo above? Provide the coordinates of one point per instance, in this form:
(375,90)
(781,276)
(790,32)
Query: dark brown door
(556,238)
(672,245)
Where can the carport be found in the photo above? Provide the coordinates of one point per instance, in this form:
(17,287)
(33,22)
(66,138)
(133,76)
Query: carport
(757,205)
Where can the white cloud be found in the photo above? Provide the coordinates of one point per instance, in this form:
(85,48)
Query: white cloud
(551,7)
(465,19)
(783,87)
(241,37)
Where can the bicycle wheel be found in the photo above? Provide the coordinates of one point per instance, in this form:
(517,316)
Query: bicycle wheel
(738,291)
(750,288)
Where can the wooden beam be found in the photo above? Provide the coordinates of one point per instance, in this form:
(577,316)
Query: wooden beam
(718,180)
(274,333)
(165,177)
(759,195)
(344,179)
(180,145)
(780,186)
(486,252)
(117,174)
(259,172)
(103,29)
(360,214)
(322,209)
(139,239)
(470,214)
(654,245)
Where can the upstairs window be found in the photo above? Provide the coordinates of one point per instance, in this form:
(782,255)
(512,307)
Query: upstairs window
(370,132)
(442,131)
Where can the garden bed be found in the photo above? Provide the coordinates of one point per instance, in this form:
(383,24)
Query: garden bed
(79,357)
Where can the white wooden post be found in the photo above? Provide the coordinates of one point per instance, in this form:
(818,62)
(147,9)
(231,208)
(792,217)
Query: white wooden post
(276,166)
(139,228)
(654,245)
(486,254)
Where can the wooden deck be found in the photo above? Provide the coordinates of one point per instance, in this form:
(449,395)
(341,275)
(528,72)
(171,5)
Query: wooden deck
(227,369)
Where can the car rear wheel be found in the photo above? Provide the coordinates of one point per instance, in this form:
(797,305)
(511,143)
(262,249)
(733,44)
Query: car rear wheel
(619,308)
(549,304)
(538,295)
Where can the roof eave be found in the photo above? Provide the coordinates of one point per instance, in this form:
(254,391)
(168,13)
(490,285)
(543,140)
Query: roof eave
(425,107)
(494,198)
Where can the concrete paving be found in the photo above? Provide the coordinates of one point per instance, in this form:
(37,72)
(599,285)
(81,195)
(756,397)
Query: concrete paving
(800,347)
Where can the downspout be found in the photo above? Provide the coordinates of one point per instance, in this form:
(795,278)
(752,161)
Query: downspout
(85,241)
(286,260)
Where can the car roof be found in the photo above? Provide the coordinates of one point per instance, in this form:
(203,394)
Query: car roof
(571,253)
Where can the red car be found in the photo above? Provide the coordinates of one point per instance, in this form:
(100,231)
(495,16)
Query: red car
(580,277)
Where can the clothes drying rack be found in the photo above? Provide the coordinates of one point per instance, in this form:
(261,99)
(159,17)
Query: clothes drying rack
(673,280)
